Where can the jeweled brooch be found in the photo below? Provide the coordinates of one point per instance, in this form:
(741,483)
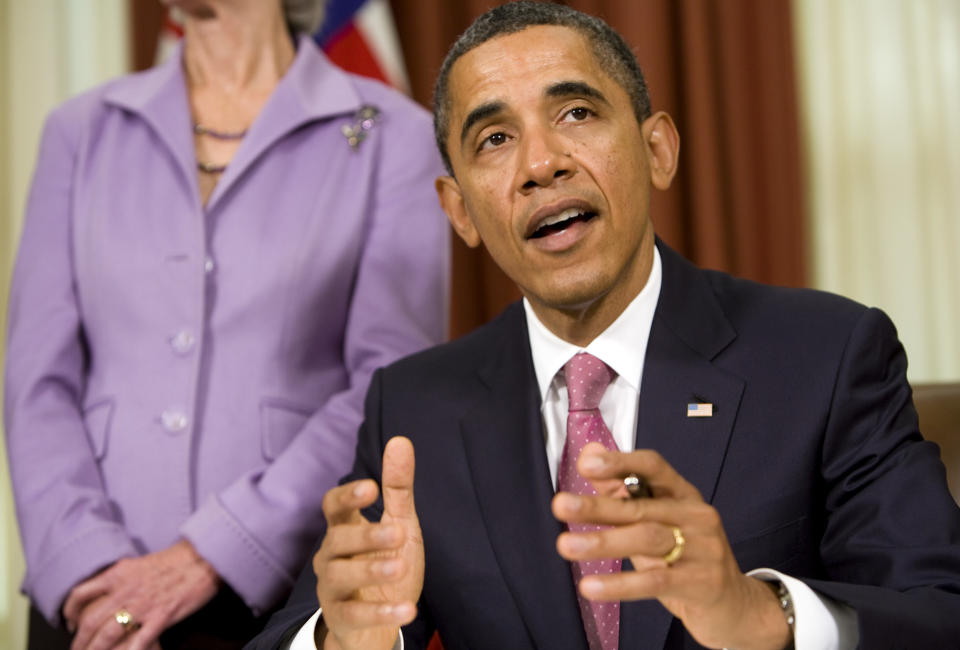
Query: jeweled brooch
(363,120)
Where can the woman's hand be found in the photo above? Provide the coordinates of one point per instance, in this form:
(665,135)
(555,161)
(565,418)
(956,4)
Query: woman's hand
(157,590)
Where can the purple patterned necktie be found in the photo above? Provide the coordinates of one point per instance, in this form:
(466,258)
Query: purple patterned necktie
(587,378)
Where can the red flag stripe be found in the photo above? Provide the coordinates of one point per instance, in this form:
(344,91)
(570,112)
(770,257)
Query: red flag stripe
(348,49)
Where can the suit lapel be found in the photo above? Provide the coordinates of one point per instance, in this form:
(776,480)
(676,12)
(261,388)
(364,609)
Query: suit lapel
(159,97)
(312,89)
(689,330)
(504,443)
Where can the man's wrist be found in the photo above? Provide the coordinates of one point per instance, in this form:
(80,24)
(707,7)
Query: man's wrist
(786,606)
(764,625)
(323,640)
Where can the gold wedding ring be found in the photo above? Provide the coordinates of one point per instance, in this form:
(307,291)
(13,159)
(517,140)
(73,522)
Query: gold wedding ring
(125,619)
(677,551)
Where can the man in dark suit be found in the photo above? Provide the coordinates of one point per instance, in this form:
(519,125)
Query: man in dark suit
(774,426)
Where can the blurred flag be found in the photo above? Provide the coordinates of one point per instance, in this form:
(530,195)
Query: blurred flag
(360,36)
(171,31)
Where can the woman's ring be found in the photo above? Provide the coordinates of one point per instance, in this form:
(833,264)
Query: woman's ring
(125,619)
(678,543)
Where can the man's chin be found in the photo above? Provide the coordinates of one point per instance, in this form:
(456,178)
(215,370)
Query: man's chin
(569,297)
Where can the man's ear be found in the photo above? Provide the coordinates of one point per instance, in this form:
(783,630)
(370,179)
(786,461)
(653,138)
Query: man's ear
(663,147)
(451,200)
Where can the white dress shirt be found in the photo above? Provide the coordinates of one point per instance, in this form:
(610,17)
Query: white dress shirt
(622,346)
(820,623)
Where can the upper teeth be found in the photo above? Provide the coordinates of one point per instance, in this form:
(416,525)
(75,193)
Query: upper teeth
(557,218)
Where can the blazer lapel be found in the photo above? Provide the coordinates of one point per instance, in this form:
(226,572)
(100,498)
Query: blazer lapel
(504,443)
(312,89)
(689,330)
(159,97)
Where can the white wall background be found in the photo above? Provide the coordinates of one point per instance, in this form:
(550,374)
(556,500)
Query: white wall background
(880,88)
(49,50)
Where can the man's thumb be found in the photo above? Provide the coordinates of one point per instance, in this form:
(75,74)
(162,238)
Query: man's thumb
(397,480)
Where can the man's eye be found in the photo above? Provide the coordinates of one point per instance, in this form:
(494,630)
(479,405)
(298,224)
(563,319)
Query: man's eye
(577,114)
(493,140)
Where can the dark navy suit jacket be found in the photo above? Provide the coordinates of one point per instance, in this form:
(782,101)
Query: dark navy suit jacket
(812,458)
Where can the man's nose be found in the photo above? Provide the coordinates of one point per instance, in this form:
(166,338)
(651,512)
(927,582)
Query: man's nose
(544,158)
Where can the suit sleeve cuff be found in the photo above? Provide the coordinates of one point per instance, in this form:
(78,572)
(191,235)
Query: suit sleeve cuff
(76,561)
(304,638)
(236,556)
(821,622)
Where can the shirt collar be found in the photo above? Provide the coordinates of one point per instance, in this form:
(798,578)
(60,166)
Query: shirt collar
(622,346)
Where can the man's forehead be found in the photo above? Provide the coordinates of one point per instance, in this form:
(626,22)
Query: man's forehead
(521,64)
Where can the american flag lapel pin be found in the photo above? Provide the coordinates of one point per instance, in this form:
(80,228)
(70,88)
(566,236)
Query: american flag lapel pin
(699,409)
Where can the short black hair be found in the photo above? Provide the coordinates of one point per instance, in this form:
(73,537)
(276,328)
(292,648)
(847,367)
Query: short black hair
(608,46)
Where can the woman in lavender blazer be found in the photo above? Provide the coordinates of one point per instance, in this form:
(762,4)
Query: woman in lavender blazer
(217,253)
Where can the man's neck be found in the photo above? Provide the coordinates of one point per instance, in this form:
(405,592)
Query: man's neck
(580,324)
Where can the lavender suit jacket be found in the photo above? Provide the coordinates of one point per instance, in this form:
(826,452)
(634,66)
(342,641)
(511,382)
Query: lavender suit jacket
(181,371)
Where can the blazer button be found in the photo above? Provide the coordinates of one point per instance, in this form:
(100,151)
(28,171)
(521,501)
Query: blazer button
(183,341)
(208,265)
(173,421)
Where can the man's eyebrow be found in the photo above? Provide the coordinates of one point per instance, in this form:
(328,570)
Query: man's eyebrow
(481,112)
(570,88)
(559,89)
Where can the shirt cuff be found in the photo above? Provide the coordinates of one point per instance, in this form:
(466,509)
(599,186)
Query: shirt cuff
(821,622)
(304,638)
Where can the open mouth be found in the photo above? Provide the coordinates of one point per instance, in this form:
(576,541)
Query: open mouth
(561,221)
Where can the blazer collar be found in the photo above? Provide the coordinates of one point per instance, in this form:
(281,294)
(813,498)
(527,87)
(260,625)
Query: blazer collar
(503,439)
(689,307)
(312,89)
(689,332)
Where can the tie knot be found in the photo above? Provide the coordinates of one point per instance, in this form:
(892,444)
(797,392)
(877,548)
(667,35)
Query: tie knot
(587,378)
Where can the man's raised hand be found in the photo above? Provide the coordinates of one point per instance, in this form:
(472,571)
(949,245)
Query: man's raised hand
(701,584)
(370,575)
